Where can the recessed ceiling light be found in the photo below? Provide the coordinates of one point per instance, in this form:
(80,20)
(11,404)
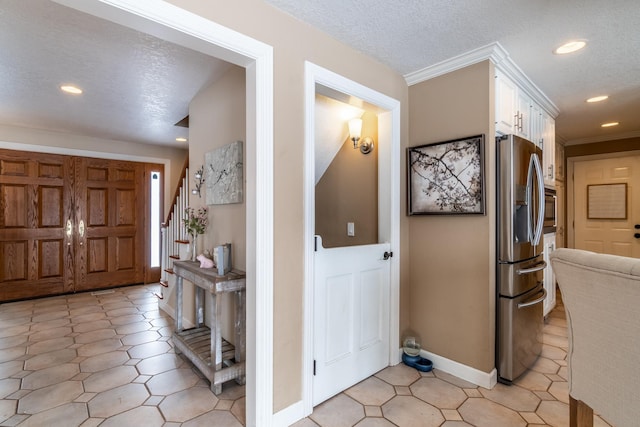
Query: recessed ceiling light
(181,139)
(570,47)
(608,125)
(598,98)
(75,90)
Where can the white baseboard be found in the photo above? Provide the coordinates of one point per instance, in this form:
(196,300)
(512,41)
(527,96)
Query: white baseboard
(186,324)
(289,415)
(483,379)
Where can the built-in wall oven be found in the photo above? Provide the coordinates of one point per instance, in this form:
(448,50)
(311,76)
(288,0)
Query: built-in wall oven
(550,211)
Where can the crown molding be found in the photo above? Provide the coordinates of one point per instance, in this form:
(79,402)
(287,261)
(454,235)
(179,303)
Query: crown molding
(500,58)
(492,51)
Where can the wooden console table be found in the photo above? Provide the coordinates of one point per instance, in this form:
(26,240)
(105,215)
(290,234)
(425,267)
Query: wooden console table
(216,358)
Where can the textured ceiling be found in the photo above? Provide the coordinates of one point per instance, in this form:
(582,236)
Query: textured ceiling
(136,87)
(409,35)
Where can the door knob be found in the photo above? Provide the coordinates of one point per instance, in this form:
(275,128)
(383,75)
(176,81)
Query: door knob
(388,255)
(637,235)
(637,226)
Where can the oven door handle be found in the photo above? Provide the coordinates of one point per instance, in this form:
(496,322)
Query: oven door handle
(539,266)
(535,301)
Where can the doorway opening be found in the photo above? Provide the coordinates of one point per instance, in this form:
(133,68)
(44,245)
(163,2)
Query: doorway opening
(179,26)
(319,81)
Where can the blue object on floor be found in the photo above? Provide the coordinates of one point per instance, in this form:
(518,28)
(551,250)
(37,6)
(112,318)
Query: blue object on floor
(420,363)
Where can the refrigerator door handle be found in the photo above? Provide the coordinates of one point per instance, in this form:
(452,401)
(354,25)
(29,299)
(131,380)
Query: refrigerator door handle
(539,177)
(539,266)
(535,301)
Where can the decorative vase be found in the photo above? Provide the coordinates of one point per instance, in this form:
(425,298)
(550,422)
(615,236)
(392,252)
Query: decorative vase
(194,245)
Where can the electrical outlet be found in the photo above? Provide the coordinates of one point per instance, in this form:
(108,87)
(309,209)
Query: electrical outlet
(351,229)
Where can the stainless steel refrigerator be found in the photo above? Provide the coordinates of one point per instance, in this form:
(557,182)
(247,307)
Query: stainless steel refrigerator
(520,265)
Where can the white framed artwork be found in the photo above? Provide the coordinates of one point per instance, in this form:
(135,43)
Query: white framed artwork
(223,169)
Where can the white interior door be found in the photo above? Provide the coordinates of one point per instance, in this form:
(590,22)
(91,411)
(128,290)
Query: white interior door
(351,316)
(612,236)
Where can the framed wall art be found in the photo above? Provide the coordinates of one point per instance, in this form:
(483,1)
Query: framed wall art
(223,169)
(607,201)
(447,177)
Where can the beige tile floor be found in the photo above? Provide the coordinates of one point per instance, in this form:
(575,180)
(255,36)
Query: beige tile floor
(107,360)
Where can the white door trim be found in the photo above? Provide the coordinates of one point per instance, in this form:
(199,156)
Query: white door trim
(177,25)
(388,211)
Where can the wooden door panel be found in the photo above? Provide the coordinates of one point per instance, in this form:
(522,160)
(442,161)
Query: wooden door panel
(110,201)
(36,203)
(97,207)
(50,207)
(14,206)
(69,224)
(125,207)
(14,255)
(51,258)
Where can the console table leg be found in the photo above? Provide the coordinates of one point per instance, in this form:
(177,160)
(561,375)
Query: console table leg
(178,318)
(240,330)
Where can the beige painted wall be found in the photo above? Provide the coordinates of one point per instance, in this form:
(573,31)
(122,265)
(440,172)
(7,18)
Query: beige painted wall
(452,257)
(113,149)
(294,42)
(348,192)
(217,118)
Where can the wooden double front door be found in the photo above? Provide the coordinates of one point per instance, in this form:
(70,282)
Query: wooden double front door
(69,224)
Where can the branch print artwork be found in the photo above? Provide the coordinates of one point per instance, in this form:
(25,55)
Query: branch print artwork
(223,168)
(447,177)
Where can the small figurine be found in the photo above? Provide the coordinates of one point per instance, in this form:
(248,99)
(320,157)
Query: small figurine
(204,261)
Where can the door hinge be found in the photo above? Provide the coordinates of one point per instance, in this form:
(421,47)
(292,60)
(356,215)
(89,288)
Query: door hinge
(314,367)
(315,249)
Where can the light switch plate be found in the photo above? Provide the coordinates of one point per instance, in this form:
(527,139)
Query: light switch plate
(351,229)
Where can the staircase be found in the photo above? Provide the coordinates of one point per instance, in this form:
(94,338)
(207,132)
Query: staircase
(174,241)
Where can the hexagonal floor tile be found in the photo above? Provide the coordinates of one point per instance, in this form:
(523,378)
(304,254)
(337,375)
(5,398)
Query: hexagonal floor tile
(149,349)
(438,393)
(104,361)
(158,364)
(71,414)
(172,381)
(372,391)
(50,376)
(187,404)
(408,411)
(485,413)
(147,416)
(399,375)
(50,397)
(109,378)
(214,418)
(117,400)
(514,397)
(339,411)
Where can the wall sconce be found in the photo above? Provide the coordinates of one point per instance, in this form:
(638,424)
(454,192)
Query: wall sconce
(198,178)
(355,131)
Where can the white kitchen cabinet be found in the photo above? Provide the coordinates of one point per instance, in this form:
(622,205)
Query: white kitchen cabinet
(516,113)
(549,150)
(549,277)
(537,125)
(505,102)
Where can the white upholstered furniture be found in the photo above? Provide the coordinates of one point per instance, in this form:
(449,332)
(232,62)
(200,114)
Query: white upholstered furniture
(601,295)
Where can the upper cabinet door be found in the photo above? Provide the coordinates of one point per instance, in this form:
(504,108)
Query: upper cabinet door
(505,120)
(549,151)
